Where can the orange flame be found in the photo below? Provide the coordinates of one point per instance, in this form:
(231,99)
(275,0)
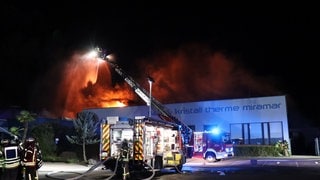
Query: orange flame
(86,83)
(191,73)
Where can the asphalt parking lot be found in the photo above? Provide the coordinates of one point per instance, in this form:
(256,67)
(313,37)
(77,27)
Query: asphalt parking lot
(294,167)
(198,164)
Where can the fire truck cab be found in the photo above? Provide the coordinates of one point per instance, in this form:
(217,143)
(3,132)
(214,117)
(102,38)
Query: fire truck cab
(150,143)
(212,145)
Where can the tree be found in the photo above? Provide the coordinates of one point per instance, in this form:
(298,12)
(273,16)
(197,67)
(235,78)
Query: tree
(25,117)
(16,131)
(45,137)
(85,126)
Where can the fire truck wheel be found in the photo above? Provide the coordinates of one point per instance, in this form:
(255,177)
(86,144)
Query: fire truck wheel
(211,157)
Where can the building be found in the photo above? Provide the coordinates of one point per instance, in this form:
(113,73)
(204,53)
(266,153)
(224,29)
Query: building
(260,120)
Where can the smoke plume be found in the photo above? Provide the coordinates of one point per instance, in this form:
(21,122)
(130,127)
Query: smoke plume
(190,73)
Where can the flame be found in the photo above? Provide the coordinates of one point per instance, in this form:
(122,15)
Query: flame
(191,73)
(115,104)
(86,83)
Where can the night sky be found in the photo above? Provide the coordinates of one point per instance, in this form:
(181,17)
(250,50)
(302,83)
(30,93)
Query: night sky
(275,42)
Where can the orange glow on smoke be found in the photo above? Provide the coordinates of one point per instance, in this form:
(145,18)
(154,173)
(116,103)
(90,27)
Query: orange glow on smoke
(190,73)
(196,73)
(86,83)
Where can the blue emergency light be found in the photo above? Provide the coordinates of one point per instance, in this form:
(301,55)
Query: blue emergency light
(215,131)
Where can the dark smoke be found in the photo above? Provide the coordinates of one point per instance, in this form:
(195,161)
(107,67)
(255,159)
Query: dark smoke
(193,72)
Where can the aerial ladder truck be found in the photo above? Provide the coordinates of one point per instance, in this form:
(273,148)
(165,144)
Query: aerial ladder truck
(143,142)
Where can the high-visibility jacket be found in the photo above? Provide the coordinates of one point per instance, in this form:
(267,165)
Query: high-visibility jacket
(31,155)
(9,156)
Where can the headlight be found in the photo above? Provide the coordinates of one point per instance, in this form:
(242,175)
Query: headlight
(104,155)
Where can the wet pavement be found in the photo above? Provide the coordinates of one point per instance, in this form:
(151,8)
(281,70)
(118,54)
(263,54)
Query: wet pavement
(294,167)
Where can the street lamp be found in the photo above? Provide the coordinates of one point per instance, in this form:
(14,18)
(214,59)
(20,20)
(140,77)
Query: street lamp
(150,80)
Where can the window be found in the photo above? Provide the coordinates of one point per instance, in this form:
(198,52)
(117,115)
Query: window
(276,132)
(236,133)
(256,133)
(266,133)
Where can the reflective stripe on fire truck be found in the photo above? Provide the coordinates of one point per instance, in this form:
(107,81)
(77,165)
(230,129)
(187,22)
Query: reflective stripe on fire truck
(105,147)
(138,144)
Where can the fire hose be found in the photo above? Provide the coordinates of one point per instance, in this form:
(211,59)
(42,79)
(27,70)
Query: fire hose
(122,156)
(50,175)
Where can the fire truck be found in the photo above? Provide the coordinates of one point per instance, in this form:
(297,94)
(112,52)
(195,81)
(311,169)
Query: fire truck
(140,144)
(147,143)
(212,145)
(134,145)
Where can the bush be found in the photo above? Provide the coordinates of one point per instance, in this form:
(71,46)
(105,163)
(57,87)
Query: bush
(43,134)
(283,148)
(64,151)
(255,150)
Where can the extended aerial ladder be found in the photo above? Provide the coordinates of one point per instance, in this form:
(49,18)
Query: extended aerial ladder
(164,113)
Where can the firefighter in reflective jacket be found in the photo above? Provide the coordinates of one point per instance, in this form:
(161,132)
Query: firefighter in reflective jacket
(31,159)
(125,156)
(9,159)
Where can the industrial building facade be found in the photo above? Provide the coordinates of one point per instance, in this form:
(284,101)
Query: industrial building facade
(259,120)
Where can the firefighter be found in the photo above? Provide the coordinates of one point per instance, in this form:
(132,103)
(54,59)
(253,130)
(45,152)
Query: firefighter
(125,157)
(9,159)
(31,159)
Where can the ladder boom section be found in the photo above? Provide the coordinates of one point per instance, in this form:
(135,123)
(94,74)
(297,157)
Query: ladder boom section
(145,96)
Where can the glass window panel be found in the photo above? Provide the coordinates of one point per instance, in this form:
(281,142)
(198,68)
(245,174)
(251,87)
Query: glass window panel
(276,132)
(266,133)
(246,136)
(236,131)
(255,133)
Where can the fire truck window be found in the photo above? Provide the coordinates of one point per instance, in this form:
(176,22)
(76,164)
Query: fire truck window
(213,138)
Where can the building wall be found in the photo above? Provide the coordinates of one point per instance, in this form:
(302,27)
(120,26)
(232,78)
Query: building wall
(262,120)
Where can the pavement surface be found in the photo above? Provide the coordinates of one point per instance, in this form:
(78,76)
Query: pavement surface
(60,166)
(198,166)
(193,162)
(72,171)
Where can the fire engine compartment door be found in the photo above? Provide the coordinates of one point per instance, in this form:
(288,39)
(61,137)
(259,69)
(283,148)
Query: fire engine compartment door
(118,136)
(170,140)
(150,141)
(198,141)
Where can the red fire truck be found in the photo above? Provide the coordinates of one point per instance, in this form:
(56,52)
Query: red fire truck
(134,145)
(212,145)
(155,143)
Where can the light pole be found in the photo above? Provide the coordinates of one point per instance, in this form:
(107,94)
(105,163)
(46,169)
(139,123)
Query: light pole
(150,80)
